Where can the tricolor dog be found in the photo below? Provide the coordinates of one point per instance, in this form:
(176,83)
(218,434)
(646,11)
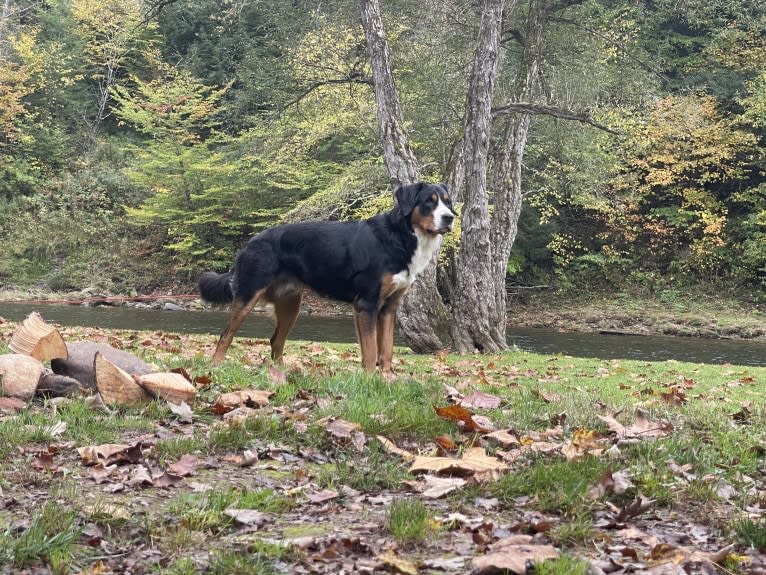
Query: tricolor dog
(369,264)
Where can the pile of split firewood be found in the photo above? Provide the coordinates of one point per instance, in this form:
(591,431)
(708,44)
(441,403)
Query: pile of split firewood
(119,377)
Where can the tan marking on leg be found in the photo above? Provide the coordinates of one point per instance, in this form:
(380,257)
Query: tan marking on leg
(239,311)
(385,332)
(286,311)
(365,330)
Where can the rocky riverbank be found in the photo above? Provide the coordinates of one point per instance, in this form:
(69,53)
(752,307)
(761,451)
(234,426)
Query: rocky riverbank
(680,314)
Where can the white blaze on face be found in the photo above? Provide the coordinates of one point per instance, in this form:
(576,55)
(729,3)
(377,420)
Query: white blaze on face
(439,213)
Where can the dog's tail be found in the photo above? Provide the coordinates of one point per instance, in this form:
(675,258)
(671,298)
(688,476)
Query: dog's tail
(216,288)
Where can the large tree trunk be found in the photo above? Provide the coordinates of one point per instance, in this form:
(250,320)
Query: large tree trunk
(473,308)
(509,158)
(486,330)
(423,318)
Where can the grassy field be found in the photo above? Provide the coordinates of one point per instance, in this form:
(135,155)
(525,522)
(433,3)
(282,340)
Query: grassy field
(579,465)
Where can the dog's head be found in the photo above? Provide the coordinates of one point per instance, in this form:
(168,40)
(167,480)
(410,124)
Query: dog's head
(427,207)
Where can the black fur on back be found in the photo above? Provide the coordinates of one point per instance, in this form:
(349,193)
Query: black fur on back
(345,261)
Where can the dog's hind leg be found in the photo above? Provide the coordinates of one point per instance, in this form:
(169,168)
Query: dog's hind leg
(239,311)
(366,330)
(286,309)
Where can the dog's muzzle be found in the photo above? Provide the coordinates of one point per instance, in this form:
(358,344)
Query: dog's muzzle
(445,224)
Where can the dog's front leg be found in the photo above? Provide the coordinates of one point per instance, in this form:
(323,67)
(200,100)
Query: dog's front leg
(385,334)
(366,331)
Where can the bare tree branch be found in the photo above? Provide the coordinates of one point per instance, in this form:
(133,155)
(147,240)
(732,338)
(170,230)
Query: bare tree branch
(545,110)
(352,79)
(154,8)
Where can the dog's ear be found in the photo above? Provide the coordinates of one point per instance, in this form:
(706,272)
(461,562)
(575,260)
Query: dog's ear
(406,198)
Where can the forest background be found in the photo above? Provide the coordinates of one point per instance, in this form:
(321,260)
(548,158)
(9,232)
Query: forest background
(142,142)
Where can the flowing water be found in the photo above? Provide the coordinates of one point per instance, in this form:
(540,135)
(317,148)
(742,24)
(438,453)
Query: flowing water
(341,330)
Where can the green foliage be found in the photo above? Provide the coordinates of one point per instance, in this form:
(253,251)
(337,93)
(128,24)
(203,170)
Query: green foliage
(148,146)
(84,242)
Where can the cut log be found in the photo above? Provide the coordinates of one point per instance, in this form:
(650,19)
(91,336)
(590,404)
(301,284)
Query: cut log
(116,386)
(82,354)
(19,375)
(53,385)
(172,387)
(38,339)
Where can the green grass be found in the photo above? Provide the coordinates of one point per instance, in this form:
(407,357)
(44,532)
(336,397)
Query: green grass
(205,512)
(556,485)
(84,426)
(170,450)
(563,566)
(238,563)
(409,521)
(381,407)
(50,537)
(369,472)
(534,390)
(751,533)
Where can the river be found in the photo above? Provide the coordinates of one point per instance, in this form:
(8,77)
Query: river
(341,330)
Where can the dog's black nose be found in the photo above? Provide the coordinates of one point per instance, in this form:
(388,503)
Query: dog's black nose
(447,219)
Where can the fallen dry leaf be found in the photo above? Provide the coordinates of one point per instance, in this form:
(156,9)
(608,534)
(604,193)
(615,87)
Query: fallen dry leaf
(481,400)
(110,453)
(475,461)
(341,429)
(617,483)
(584,442)
(434,487)
(44,460)
(446,443)
(633,509)
(167,480)
(322,496)
(460,414)
(505,437)
(183,411)
(391,448)
(248,516)
(512,555)
(398,564)
(252,398)
(185,466)
(642,428)
(100,473)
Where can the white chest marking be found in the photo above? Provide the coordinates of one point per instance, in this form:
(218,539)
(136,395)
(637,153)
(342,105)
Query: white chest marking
(428,245)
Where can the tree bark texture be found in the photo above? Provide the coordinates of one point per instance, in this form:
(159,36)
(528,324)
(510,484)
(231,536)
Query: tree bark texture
(508,161)
(400,161)
(422,317)
(473,309)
